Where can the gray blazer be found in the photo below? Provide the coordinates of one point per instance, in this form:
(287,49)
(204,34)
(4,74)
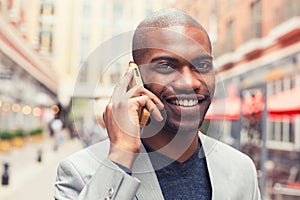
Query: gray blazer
(89,175)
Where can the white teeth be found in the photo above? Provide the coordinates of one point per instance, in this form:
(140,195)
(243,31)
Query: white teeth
(185,102)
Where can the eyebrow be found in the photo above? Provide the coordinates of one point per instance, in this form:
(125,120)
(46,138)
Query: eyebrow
(202,57)
(172,59)
(169,58)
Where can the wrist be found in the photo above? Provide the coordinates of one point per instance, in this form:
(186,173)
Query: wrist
(122,157)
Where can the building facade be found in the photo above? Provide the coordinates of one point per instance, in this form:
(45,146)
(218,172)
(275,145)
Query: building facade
(83,39)
(27,82)
(63,39)
(68,32)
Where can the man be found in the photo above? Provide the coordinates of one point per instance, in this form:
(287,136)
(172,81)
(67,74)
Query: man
(169,158)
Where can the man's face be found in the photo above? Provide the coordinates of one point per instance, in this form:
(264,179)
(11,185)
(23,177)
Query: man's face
(177,67)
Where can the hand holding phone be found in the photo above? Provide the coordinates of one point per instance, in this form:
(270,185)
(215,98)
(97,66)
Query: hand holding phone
(125,112)
(144,114)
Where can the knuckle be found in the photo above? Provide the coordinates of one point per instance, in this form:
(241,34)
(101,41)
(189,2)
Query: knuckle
(152,108)
(121,105)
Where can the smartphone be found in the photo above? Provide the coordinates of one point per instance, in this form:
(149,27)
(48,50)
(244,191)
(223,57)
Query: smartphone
(144,114)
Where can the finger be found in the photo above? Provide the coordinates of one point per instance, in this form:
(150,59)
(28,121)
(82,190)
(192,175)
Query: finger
(145,101)
(140,90)
(107,112)
(121,87)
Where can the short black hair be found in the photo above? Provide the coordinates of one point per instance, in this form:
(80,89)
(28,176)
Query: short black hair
(160,19)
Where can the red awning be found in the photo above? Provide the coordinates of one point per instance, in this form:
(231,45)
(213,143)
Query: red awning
(228,109)
(280,106)
(253,105)
(286,102)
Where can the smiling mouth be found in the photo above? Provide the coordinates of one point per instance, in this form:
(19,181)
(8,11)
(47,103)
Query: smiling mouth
(185,102)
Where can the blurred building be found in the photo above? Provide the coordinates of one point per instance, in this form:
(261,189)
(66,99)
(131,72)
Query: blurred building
(256,45)
(55,40)
(27,81)
(71,35)
(67,32)
(98,24)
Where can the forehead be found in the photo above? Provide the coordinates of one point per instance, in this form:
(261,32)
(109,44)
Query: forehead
(181,40)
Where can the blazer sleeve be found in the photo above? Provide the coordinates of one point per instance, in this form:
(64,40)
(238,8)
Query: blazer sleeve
(256,191)
(108,182)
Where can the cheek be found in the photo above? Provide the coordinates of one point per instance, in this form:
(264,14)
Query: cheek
(155,82)
(155,88)
(211,88)
(210,83)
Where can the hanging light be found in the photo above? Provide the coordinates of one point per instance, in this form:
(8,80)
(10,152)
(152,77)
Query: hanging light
(26,110)
(15,107)
(37,112)
(6,107)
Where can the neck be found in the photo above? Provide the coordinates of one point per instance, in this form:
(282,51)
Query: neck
(178,147)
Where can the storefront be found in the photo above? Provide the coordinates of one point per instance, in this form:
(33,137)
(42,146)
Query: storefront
(271,82)
(28,87)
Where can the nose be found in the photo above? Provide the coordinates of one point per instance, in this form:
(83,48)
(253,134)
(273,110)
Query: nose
(187,80)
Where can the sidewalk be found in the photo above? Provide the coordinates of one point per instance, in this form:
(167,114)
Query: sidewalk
(30,179)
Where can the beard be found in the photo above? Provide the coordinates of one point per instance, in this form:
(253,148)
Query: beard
(182,128)
(183,124)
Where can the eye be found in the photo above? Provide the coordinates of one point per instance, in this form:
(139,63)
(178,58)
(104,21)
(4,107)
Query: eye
(164,68)
(203,66)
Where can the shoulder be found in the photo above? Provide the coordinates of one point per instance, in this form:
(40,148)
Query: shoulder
(221,151)
(83,164)
(232,172)
(227,160)
(88,173)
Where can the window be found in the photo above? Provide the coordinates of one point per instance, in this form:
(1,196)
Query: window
(86,9)
(117,11)
(84,45)
(292,81)
(115,73)
(118,18)
(230,36)
(83,71)
(46,21)
(281,133)
(292,8)
(45,41)
(255,28)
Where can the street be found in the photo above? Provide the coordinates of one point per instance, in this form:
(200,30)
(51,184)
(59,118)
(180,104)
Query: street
(30,179)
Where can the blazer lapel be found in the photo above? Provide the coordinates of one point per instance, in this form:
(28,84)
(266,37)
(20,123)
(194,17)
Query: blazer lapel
(143,170)
(217,176)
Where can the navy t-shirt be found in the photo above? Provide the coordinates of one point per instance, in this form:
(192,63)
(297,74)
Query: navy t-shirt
(187,180)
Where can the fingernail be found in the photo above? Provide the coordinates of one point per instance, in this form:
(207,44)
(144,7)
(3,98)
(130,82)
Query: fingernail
(161,118)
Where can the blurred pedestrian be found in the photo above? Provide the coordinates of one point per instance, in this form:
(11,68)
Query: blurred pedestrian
(95,133)
(56,126)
